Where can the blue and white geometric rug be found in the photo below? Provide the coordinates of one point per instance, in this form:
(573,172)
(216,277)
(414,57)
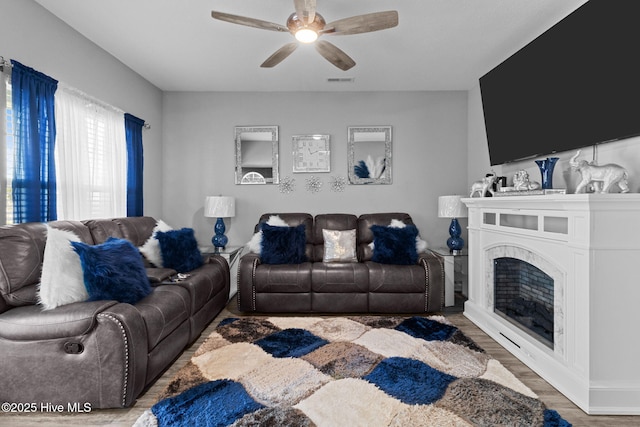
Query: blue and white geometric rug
(345,371)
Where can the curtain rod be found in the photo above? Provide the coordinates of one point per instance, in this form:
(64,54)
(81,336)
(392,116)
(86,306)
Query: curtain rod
(4,63)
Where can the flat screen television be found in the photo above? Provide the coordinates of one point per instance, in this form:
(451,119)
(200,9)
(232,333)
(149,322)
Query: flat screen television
(576,85)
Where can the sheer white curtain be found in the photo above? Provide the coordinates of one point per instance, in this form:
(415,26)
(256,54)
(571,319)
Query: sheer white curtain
(91,157)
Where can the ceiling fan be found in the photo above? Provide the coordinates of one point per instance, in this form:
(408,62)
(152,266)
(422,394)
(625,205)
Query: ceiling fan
(307,25)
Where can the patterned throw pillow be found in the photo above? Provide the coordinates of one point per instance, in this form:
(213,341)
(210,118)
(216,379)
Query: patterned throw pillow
(339,246)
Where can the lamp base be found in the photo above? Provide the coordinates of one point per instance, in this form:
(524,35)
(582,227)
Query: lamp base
(455,242)
(219,240)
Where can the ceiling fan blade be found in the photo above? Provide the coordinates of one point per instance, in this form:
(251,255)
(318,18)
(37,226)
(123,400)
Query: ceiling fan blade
(362,23)
(334,55)
(279,55)
(305,9)
(249,22)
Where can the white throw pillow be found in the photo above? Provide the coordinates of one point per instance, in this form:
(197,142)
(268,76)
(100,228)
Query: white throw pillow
(255,244)
(151,248)
(339,246)
(62,281)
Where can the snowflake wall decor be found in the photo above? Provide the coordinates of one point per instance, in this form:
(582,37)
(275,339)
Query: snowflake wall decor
(313,184)
(287,185)
(338,183)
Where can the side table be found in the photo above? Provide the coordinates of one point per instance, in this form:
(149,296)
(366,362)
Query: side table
(455,273)
(232,255)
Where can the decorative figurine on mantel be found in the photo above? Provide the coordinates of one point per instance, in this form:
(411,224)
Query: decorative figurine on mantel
(521,181)
(602,178)
(484,186)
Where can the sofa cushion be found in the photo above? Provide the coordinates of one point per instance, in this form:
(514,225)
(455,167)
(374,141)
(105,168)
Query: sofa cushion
(395,245)
(136,229)
(339,246)
(336,277)
(179,250)
(282,278)
(62,281)
(113,271)
(283,245)
(166,308)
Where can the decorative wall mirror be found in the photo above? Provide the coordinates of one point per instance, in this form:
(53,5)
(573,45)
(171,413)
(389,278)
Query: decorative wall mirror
(369,155)
(256,154)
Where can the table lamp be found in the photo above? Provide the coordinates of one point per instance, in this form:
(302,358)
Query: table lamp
(452,207)
(220,207)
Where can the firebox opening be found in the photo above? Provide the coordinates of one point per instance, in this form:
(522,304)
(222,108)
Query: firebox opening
(523,295)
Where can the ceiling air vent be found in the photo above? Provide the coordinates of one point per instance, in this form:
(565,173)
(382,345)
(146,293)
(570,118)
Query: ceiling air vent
(341,80)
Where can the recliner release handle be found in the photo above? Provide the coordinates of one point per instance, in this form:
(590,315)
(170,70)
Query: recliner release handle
(73,347)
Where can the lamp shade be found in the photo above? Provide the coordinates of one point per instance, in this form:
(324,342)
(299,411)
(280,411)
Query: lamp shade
(451,207)
(220,206)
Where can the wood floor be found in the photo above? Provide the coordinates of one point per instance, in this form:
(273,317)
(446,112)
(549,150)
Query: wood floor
(126,417)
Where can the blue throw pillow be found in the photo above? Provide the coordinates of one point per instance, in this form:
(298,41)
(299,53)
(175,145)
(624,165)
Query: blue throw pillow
(283,245)
(179,249)
(394,245)
(113,270)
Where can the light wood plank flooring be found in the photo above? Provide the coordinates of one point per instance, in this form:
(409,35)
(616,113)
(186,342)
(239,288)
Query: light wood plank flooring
(126,417)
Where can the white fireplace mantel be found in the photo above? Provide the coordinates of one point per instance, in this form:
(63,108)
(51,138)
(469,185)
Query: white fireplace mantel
(590,245)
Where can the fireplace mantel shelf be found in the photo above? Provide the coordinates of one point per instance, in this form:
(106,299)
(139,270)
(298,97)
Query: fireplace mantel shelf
(590,245)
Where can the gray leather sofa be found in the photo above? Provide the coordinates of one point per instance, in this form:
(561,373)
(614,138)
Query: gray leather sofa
(345,287)
(101,353)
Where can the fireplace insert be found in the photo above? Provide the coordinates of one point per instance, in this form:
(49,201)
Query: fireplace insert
(523,295)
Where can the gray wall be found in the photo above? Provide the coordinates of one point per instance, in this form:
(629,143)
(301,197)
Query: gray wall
(429,155)
(38,39)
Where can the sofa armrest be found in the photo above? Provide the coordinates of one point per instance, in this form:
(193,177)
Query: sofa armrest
(434,271)
(103,365)
(246,282)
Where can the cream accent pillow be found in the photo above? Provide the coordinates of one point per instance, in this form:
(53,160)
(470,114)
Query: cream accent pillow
(61,281)
(339,246)
(151,248)
(255,244)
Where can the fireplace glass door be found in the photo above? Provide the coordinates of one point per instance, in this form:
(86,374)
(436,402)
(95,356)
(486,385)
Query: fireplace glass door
(524,296)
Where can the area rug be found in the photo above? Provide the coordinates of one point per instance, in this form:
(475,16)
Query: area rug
(345,371)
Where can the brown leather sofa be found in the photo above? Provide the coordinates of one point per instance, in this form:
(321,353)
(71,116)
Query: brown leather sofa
(345,287)
(101,353)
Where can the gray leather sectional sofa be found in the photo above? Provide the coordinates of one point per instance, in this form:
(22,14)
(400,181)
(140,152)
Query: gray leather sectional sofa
(101,353)
(363,286)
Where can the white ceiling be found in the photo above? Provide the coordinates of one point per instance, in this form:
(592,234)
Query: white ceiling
(438,44)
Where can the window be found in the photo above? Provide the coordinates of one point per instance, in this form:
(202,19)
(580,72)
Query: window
(90,156)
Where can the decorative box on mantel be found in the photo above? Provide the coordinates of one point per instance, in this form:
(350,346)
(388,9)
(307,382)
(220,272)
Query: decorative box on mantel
(555,279)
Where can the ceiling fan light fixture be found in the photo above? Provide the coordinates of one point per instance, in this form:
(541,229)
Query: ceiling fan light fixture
(306,35)
(305,32)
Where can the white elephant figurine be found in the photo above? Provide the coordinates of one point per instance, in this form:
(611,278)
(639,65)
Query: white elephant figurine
(481,187)
(603,178)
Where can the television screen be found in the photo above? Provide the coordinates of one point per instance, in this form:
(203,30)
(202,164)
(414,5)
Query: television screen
(576,85)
